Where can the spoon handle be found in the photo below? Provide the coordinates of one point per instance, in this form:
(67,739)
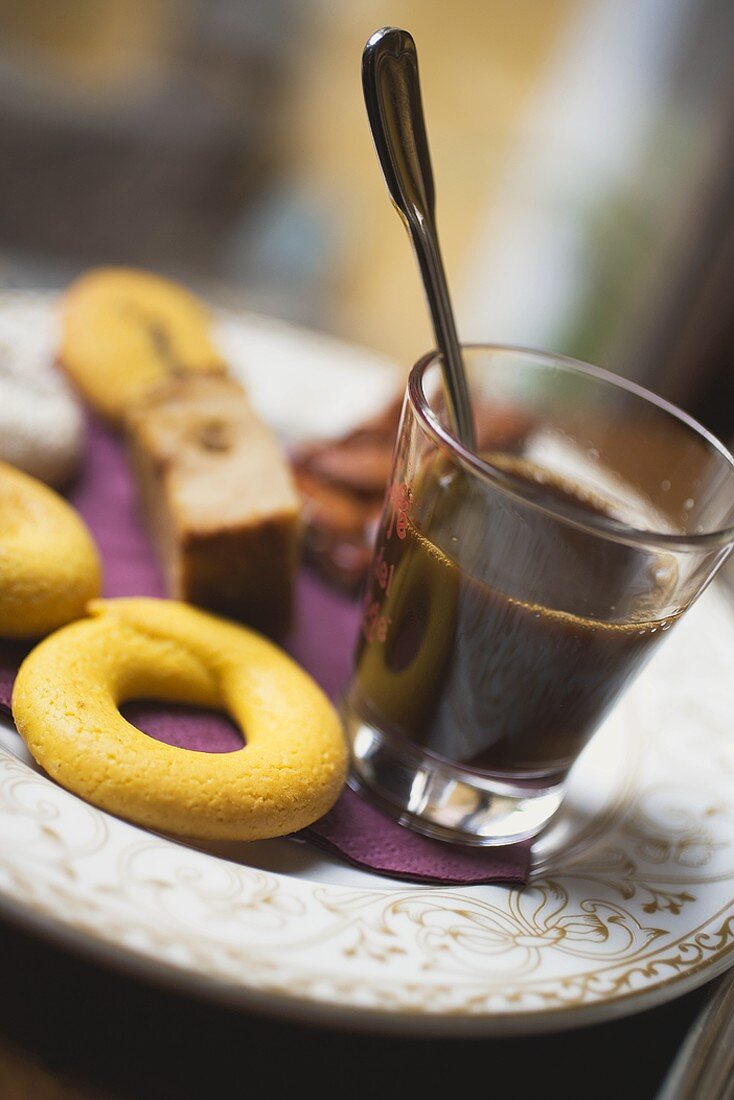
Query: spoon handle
(393,99)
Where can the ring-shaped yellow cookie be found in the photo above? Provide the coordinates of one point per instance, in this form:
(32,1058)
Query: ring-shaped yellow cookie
(66,707)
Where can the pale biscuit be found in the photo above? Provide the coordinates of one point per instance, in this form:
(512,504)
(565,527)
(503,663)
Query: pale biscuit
(41,422)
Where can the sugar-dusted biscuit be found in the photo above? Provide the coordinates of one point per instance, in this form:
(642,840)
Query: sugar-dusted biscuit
(41,422)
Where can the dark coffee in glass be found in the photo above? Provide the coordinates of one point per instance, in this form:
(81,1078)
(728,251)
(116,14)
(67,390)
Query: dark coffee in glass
(515,592)
(478,676)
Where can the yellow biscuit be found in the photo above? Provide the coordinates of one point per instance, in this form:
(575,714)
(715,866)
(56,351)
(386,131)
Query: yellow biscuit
(49,566)
(124,332)
(66,706)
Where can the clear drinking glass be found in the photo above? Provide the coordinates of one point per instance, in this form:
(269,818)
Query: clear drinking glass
(516,591)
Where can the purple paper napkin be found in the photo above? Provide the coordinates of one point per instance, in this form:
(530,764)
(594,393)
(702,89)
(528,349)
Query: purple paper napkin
(322,642)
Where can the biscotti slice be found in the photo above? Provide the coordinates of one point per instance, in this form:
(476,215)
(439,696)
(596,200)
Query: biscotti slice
(218,498)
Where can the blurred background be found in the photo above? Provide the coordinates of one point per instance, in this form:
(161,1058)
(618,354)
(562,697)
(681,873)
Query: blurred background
(583,153)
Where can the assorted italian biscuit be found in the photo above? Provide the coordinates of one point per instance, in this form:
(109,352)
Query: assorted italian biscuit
(124,332)
(41,422)
(66,703)
(219,500)
(223,513)
(49,566)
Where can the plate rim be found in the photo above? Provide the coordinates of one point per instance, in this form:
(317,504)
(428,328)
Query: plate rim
(348,1017)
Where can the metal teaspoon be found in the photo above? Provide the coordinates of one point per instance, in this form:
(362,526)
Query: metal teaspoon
(393,99)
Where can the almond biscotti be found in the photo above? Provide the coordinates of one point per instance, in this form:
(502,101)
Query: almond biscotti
(218,498)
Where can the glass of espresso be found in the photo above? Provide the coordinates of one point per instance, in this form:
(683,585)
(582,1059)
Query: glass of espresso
(517,589)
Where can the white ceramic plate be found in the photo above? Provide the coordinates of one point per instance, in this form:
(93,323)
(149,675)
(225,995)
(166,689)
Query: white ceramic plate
(631,902)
